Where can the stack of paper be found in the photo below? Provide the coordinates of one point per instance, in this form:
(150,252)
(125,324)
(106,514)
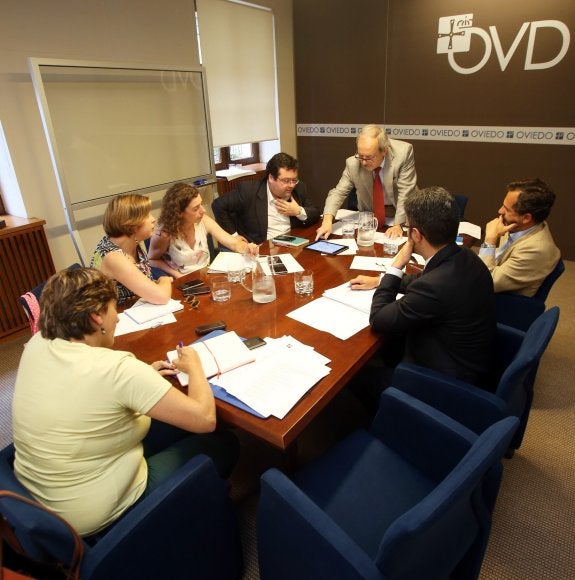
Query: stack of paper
(470,229)
(341,311)
(144,315)
(218,355)
(234,173)
(284,370)
(226,261)
(358,299)
(143,311)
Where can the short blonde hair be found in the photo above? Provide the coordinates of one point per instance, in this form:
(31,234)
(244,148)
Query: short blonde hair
(125,213)
(69,298)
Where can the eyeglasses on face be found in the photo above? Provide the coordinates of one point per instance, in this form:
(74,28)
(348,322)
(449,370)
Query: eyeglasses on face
(366,158)
(287,180)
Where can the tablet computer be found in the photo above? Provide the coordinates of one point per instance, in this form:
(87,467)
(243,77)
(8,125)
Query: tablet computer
(326,247)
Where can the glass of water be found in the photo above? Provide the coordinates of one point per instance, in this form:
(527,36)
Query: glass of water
(221,289)
(303,282)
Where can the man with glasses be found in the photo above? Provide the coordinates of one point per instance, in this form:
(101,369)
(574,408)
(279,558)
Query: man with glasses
(382,173)
(261,210)
(442,319)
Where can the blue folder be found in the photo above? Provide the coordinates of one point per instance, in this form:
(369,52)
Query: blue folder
(222,394)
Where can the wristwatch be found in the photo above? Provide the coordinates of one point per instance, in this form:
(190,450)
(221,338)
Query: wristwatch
(488,246)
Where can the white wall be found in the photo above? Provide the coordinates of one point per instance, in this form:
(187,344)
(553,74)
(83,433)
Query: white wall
(137,31)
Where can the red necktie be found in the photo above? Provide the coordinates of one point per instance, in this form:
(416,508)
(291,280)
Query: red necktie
(378,202)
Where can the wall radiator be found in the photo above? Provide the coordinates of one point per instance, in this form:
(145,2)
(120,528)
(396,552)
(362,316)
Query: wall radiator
(25,262)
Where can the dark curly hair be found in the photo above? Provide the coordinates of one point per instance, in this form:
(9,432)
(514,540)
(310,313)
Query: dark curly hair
(69,298)
(175,201)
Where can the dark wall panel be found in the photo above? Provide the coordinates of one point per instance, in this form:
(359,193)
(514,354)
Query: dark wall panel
(338,44)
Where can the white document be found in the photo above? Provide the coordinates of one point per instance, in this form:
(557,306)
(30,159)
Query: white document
(234,173)
(283,372)
(351,246)
(358,299)
(469,229)
(330,316)
(281,264)
(219,354)
(346,213)
(381,238)
(371,263)
(143,311)
(126,324)
(226,261)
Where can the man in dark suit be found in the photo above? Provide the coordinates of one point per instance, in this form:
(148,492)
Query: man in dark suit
(261,210)
(447,314)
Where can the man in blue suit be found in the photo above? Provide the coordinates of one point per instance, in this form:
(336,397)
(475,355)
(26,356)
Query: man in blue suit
(261,210)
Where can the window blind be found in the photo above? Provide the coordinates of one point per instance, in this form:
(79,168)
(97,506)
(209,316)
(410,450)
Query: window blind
(237,48)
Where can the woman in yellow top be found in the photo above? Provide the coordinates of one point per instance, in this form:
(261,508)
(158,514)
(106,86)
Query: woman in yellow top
(95,429)
(180,245)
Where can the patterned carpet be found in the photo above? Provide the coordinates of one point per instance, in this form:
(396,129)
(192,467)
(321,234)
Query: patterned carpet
(532,535)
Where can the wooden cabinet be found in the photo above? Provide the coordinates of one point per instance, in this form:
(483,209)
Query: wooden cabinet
(25,262)
(224,185)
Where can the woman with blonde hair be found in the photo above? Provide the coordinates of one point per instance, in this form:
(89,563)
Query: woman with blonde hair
(121,254)
(96,429)
(181,243)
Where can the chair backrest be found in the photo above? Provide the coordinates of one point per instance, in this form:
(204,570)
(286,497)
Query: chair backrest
(547,284)
(462,203)
(519,376)
(448,516)
(30,302)
(43,536)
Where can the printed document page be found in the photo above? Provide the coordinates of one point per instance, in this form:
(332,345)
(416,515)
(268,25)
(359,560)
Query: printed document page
(283,372)
(330,316)
(218,355)
(143,311)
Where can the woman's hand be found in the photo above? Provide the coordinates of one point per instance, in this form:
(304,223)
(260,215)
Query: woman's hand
(188,361)
(164,368)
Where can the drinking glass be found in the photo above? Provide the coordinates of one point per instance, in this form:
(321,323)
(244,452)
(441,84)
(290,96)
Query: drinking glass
(303,282)
(221,289)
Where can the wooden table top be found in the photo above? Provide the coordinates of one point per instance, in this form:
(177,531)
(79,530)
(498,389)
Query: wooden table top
(248,318)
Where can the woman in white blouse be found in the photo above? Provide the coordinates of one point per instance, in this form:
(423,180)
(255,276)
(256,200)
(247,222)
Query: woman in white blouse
(180,245)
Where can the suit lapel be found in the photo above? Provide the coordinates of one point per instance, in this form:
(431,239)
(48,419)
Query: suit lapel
(262,208)
(388,177)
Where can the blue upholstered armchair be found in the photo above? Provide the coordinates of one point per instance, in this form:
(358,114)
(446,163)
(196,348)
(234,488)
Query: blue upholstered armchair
(519,354)
(411,499)
(185,529)
(520,311)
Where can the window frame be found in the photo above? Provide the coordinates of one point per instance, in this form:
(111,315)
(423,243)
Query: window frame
(225,158)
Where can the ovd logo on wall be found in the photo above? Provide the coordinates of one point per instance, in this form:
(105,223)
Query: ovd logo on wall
(454,35)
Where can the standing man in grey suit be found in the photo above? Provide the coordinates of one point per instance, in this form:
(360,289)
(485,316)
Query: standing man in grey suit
(378,157)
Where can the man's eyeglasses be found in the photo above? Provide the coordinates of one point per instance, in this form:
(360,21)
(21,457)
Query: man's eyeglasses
(366,158)
(287,180)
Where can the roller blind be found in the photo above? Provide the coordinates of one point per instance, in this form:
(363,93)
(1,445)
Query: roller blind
(238,50)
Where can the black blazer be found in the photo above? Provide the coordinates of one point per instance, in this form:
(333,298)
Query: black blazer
(447,315)
(245,210)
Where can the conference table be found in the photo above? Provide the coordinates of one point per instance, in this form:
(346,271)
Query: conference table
(248,319)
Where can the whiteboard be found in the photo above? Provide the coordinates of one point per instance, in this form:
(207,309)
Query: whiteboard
(116,128)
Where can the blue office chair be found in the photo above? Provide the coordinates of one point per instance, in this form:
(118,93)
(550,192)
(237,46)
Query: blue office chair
(519,355)
(185,528)
(411,499)
(520,311)
(462,203)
